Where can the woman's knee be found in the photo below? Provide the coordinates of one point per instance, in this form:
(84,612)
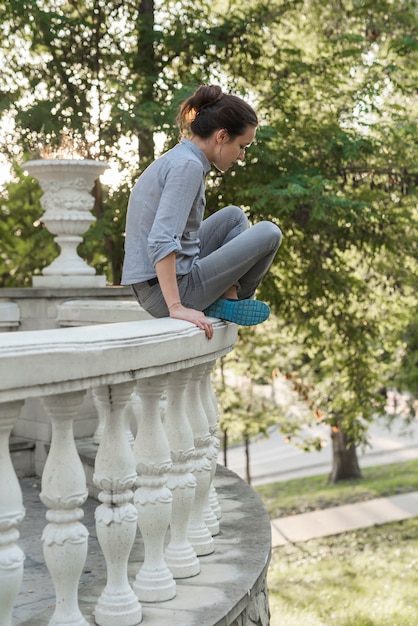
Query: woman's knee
(234,213)
(271,232)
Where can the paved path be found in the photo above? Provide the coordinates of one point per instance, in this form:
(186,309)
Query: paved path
(342,519)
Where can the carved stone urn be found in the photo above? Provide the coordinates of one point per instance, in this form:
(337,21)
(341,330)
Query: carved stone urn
(67,204)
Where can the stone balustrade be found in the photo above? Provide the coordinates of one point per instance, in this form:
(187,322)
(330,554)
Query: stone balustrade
(164,479)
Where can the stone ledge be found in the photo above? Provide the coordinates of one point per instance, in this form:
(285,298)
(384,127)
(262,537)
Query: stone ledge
(84,312)
(72,292)
(38,307)
(85,357)
(231,589)
(9,315)
(20,443)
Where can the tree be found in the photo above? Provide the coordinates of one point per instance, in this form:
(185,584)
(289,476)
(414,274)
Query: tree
(339,178)
(21,250)
(246,412)
(407,378)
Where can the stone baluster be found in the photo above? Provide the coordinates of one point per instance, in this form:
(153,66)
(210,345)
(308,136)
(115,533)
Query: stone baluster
(101,402)
(199,534)
(133,411)
(154,581)
(102,406)
(11,514)
(180,556)
(211,407)
(64,491)
(116,517)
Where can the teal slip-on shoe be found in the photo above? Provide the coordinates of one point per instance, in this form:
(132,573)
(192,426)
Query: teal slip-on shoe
(243,312)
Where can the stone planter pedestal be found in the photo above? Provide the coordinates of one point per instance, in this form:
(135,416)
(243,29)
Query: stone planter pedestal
(67,204)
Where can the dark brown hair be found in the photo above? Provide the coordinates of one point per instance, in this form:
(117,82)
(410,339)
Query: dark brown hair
(209,110)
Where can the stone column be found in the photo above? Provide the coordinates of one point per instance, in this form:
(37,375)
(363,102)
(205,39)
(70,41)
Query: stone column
(180,556)
(116,517)
(102,405)
(199,534)
(64,491)
(11,514)
(211,408)
(154,581)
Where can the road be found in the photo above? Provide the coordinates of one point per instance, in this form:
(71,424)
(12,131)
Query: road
(274,460)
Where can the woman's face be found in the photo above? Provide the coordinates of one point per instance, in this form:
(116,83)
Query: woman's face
(228,150)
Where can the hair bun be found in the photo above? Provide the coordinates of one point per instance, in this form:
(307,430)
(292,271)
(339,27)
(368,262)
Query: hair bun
(221,110)
(207,96)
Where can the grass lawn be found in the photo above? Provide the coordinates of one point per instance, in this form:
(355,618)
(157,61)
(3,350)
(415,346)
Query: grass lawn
(364,578)
(313,492)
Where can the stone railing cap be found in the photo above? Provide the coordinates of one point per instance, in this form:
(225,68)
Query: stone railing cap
(35,363)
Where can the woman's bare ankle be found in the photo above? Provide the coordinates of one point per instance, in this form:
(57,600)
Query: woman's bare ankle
(230,293)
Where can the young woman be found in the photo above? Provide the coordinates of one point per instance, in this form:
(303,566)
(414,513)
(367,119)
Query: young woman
(177,263)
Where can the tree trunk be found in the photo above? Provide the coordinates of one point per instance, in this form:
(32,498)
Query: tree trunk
(344,457)
(247,458)
(146,68)
(109,245)
(225,447)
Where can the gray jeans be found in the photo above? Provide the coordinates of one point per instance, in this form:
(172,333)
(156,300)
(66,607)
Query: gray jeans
(231,254)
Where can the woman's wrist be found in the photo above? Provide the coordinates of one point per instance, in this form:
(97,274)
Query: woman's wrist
(177,303)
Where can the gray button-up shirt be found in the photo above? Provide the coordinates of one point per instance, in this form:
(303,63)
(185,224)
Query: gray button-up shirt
(165,212)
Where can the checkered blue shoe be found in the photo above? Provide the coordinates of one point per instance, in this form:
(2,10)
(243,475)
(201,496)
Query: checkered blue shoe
(242,312)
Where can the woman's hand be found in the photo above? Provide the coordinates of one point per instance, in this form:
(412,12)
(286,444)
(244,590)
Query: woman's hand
(180,312)
(166,272)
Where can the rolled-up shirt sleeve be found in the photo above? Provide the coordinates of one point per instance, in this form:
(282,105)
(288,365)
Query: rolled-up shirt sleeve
(182,187)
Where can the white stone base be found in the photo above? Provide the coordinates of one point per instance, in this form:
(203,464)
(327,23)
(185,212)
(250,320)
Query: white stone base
(9,316)
(60,281)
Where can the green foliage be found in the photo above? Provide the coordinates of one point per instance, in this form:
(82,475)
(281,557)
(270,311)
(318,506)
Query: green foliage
(25,243)
(108,229)
(407,378)
(244,411)
(333,169)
